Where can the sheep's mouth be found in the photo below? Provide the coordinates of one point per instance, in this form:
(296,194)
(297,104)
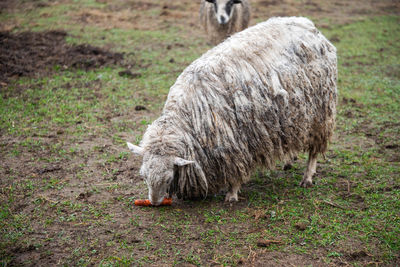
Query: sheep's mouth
(223,22)
(223,26)
(157,203)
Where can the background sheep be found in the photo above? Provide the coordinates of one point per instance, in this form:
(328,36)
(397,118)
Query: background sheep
(263,95)
(222,18)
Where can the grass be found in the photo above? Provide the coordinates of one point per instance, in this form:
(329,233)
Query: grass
(80,121)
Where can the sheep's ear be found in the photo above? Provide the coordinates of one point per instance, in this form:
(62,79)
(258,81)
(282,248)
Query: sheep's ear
(135,149)
(211,1)
(237,1)
(182,162)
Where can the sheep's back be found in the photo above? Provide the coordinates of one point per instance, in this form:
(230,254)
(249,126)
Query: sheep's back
(263,95)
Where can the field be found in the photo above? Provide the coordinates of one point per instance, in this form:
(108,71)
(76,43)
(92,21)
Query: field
(79,78)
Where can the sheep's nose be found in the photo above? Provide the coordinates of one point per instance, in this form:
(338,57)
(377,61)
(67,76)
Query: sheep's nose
(155,201)
(222,19)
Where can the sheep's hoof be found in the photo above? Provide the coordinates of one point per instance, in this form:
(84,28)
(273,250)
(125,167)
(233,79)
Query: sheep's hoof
(306,183)
(231,197)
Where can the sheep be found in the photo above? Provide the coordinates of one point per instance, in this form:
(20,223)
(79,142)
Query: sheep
(265,94)
(222,18)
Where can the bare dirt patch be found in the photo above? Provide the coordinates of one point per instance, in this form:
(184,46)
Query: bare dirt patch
(33,54)
(141,15)
(9,5)
(275,259)
(156,15)
(337,12)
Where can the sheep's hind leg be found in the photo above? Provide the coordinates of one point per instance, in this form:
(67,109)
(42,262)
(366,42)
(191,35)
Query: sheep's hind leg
(311,168)
(232,195)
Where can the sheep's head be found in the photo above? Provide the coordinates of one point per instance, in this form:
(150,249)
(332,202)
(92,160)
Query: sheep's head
(158,172)
(223,9)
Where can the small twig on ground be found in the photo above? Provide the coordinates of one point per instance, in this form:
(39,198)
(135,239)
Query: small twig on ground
(48,200)
(315,202)
(252,256)
(333,204)
(81,223)
(377,263)
(348,186)
(105,184)
(343,262)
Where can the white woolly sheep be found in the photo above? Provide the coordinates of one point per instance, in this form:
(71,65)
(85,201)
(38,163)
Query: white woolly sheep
(265,94)
(222,18)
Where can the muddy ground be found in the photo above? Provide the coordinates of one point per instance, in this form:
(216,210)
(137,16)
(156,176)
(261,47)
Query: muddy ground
(35,54)
(65,194)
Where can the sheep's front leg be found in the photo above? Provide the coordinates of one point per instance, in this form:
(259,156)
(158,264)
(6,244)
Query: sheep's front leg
(232,195)
(311,168)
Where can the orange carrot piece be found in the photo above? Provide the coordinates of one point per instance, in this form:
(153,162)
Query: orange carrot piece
(142,202)
(167,202)
(147,203)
